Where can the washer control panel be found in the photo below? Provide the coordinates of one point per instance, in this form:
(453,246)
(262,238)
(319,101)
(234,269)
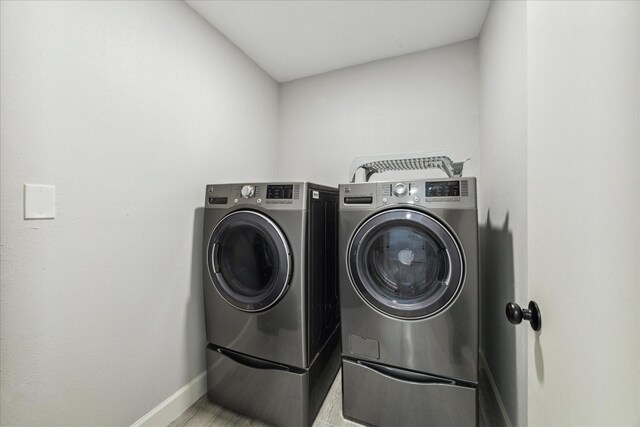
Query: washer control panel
(449,193)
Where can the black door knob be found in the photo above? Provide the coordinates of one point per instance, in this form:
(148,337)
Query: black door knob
(515,314)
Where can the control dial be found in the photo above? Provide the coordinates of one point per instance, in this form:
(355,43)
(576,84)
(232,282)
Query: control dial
(247,191)
(400,189)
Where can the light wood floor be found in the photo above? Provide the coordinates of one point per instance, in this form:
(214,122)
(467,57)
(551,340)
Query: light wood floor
(206,414)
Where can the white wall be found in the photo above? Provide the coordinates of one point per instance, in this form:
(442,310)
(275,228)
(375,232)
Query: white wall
(503,197)
(129,108)
(421,102)
(584,211)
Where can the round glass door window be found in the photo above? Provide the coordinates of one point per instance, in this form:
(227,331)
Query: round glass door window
(249,260)
(406,264)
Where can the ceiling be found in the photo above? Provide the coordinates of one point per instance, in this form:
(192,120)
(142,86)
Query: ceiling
(295,39)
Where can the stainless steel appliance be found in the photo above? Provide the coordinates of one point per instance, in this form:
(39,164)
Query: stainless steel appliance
(271,298)
(408,273)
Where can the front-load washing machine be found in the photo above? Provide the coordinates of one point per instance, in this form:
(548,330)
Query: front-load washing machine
(271,298)
(408,273)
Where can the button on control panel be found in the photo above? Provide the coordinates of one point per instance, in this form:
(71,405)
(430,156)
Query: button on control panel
(399,192)
(400,189)
(247,191)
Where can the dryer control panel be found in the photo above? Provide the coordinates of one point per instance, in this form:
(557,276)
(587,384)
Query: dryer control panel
(287,196)
(448,193)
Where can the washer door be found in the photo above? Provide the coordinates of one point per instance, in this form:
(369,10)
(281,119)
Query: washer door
(405,264)
(249,260)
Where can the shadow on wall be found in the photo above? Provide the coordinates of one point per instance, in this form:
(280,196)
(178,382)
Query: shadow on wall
(497,335)
(195,341)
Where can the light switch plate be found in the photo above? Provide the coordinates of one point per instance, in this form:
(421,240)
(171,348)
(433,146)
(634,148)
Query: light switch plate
(39,201)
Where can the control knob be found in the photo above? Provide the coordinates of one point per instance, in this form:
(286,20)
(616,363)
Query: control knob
(247,191)
(400,189)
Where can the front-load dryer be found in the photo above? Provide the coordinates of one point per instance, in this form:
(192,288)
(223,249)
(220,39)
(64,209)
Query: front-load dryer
(271,298)
(408,273)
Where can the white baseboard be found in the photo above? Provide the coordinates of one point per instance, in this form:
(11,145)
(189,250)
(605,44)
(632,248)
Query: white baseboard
(495,414)
(163,414)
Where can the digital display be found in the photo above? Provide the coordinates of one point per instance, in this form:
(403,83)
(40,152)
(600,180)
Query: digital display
(279,191)
(442,189)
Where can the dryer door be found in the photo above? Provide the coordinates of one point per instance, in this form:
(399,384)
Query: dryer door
(406,264)
(249,260)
